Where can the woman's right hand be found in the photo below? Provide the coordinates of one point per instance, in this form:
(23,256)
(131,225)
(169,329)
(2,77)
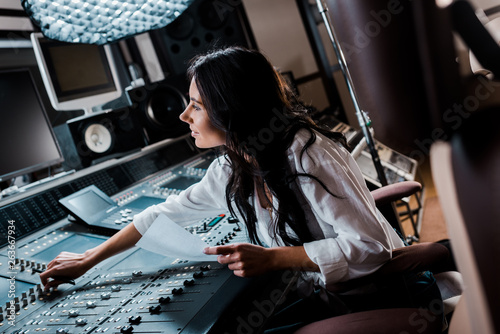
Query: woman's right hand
(73,265)
(67,265)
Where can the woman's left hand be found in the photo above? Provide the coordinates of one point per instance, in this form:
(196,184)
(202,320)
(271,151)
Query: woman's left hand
(244,259)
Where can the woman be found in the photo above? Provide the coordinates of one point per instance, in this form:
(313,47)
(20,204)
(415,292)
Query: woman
(293,184)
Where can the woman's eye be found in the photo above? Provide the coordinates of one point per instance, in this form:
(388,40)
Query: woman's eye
(195,107)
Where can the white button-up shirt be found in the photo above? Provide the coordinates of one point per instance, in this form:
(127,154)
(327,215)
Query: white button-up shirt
(353,238)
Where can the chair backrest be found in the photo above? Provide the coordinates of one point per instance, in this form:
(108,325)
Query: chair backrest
(394,51)
(466,171)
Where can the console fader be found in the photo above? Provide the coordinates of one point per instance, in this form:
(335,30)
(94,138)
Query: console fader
(134,292)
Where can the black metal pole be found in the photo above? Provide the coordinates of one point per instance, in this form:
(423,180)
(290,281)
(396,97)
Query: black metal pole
(362,119)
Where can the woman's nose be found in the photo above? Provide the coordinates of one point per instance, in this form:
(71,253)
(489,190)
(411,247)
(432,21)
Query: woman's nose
(184,116)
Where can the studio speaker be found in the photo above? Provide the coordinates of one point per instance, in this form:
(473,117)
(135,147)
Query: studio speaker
(156,108)
(204,25)
(104,136)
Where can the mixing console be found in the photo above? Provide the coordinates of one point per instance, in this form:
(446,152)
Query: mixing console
(134,292)
(122,293)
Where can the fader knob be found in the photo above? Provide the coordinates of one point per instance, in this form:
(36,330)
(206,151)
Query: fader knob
(189,282)
(176,291)
(116,288)
(127,280)
(73,313)
(164,300)
(155,309)
(81,322)
(127,330)
(135,320)
(105,295)
(62,331)
(198,274)
(91,304)
(205,268)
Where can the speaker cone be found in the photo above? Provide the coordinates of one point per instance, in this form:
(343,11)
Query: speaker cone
(182,27)
(98,138)
(164,107)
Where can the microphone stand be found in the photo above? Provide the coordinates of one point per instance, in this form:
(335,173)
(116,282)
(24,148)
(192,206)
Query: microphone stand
(361,115)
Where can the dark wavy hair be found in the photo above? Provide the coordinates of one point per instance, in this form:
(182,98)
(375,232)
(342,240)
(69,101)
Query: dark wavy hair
(251,102)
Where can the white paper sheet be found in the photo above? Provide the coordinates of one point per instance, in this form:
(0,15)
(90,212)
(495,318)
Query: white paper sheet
(167,238)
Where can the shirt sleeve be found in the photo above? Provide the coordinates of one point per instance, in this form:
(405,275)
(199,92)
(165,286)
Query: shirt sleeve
(357,238)
(202,199)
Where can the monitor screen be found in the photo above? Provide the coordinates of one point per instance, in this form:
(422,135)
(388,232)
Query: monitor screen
(76,76)
(27,142)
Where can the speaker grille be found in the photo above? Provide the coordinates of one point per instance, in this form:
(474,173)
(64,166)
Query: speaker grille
(204,25)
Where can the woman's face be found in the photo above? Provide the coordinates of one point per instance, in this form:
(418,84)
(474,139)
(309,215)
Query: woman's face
(202,129)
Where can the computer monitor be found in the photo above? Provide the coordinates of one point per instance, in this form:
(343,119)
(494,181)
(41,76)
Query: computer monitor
(27,141)
(76,76)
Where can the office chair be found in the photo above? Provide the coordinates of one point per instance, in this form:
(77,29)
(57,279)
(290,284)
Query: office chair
(411,259)
(466,173)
